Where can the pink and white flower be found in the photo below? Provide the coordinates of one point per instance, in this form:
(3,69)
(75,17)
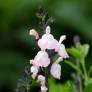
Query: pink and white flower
(41,59)
(47,41)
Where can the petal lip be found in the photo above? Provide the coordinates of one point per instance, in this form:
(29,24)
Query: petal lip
(62,51)
(56,70)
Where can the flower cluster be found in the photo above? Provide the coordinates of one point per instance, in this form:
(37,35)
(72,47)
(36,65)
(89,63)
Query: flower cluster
(43,60)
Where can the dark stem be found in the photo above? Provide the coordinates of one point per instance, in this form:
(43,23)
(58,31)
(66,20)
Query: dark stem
(46,75)
(28,88)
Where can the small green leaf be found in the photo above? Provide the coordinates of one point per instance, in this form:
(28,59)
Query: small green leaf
(74,52)
(90,70)
(85,50)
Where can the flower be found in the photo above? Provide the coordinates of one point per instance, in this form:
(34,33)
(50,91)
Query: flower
(41,59)
(42,80)
(34,71)
(62,51)
(56,68)
(47,41)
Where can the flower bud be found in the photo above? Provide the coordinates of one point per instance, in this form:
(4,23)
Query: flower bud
(34,33)
(48,29)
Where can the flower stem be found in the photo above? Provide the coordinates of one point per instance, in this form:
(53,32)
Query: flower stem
(79,77)
(85,71)
(46,75)
(28,88)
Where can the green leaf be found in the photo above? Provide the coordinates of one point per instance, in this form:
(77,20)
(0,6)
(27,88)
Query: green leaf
(53,87)
(85,50)
(70,63)
(90,70)
(88,88)
(39,16)
(88,82)
(74,52)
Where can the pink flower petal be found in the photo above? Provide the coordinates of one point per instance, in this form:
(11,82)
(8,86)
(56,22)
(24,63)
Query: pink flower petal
(42,44)
(41,59)
(53,44)
(48,42)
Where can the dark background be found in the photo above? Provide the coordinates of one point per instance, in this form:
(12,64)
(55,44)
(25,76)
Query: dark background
(17,17)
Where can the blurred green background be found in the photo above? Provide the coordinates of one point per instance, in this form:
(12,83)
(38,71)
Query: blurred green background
(17,17)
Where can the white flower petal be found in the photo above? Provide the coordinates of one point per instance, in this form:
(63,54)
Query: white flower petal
(44,89)
(34,76)
(41,78)
(33,32)
(62,51)
(55,70)
(63,37)
(34,71)
(48,29)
